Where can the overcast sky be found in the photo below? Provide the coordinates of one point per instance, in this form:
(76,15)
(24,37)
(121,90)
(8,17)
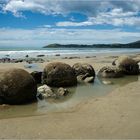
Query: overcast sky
(40,22)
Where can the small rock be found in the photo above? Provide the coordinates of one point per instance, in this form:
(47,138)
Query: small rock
(80,78)
(74,57)
(34,60)
(46,91)
(107,82)
(88,57)
(57,55)
(40,55)
(27,56)
(62,92)
(89,79)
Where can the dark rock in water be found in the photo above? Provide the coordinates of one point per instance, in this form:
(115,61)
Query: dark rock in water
(74,57)
(71,57)
(128,65)
(90,56)
(7,55)
(37,76)
(59,74)
(34,60)
(62,92)
(27,56)
(84,72)
(17,86)
(8,60)
(110,72)
(17,60)
(40,55)
(5,60)
(57,55)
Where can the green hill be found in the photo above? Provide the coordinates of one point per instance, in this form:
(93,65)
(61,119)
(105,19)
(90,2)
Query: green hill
(128,45)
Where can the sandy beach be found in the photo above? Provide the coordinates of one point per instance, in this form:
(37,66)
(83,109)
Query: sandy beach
(69,69)
(115,115)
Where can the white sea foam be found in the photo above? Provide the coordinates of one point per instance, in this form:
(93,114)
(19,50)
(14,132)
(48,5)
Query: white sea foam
(63,51)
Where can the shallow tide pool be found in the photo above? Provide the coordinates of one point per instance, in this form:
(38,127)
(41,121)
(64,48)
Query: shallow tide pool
(78,95)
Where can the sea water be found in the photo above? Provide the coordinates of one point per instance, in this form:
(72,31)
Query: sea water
(20,52)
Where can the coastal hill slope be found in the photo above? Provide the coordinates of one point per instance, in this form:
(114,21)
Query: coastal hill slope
(128,45)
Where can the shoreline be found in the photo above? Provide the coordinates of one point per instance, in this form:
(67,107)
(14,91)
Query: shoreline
(65,52)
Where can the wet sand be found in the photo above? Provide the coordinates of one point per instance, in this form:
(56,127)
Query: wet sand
(116,115)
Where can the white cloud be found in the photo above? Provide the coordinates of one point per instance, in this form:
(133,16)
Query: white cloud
(70,23)
(88,7)
(124,12)
(43,36)
(114,17)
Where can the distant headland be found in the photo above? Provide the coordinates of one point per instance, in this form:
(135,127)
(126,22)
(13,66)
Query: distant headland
(128,45)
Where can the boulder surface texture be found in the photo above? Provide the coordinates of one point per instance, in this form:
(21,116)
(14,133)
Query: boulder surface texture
(59,74)
(17,86)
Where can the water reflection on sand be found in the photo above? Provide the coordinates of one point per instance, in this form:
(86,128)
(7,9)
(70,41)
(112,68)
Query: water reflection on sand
(78,95)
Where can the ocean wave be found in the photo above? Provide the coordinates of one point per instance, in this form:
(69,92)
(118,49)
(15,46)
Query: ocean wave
(52,52)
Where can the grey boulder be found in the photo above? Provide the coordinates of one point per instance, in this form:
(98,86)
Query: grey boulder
(110,72)
(84,72)
(59,74)
(127,65)
(17,86)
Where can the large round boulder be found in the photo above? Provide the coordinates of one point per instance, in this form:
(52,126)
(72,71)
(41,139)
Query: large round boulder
(59,74)
(128,65)
(110,72)
(17,86)
(83,69)
(84,72)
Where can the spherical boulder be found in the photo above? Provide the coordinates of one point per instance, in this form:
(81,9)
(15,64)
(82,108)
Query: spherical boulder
(110,72)
(17,86)
(59,74)
(128,65)
(62,92)
(84,69)
(84,72)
